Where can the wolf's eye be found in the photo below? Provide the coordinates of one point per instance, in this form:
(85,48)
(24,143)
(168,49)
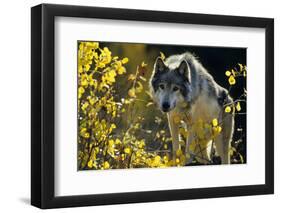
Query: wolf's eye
(161,86)
(175,89)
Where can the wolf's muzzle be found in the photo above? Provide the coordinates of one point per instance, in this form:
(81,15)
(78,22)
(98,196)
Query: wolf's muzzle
(165,106)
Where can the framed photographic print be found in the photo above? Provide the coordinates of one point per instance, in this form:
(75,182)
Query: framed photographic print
(139,106)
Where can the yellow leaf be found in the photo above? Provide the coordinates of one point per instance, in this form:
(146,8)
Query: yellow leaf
(179,152)
(86,135)
(80,69)
(125,60)
(215,122)
(241,158)
(90,164)
(227,109)
(216,130)
(139,87)
(238,107)
(81,90)
(149,104)
(240,66)
(127,150)
(131,77)
(231,80)
(233,72)
(85,105)
(92,45)
(157,135)
(142,78)
(143,64)
(227,73)
(87,67)
(117,141)
(106,165)
(132,92)
(111,142)
(121,70)
(113,126)
(162,56)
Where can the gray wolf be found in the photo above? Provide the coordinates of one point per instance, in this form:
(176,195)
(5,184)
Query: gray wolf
(181,86)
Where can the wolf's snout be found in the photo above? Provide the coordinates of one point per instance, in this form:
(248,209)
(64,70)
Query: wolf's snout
(166,106)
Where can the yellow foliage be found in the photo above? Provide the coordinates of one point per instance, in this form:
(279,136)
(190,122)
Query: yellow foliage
(215,122)
(125,60)
(227,73)
(238,107)
(132,92)
(227,109)
(231,80)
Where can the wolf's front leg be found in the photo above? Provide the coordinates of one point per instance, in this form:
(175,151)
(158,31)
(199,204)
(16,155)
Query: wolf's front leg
(174,130)
(223,141)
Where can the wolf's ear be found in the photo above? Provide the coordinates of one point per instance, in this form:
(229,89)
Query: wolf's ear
(184,70)
(159,65)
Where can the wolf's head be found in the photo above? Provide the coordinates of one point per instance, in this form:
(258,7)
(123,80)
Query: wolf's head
(170,85)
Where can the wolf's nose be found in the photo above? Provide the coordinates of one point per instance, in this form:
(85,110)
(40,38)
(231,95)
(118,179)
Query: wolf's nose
(165,106)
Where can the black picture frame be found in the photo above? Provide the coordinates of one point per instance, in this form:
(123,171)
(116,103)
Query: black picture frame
(43,102)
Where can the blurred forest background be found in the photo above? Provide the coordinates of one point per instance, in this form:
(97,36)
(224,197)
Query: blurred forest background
(137,133)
